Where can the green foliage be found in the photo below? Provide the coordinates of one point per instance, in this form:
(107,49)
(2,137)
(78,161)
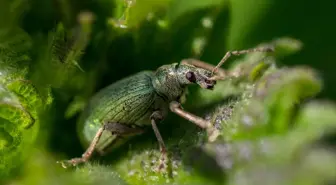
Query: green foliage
(274,127)
(20,101)
(44,173)
(20,107)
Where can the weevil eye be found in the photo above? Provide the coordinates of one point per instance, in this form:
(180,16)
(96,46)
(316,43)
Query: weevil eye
(191,76)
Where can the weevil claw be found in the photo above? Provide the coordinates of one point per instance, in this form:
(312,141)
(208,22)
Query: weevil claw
(62,164)
(67,163)
(163,164)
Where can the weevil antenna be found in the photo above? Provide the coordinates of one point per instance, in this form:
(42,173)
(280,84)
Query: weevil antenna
(239,52)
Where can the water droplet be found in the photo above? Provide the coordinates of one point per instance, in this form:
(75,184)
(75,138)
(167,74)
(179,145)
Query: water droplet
(198,45)
(207,22)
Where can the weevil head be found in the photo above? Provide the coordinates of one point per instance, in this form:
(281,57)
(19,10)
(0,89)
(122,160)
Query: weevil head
(171,80)
(189,74)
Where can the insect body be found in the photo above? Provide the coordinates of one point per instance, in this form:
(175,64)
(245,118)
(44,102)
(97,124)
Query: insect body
(124,108)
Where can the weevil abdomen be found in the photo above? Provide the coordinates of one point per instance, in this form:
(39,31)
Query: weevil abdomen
(129,101)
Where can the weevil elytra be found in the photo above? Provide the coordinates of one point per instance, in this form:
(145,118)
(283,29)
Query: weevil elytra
(124,108)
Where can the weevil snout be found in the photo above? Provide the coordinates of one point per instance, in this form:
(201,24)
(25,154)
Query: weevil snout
(211,84)
(203,79)
(207,83)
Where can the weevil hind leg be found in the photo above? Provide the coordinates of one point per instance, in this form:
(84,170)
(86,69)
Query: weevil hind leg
(211,130)
(121,133)
(117,129)
(87,154)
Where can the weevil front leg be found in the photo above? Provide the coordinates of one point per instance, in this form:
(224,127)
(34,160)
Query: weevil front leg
(212,131)
(156,117)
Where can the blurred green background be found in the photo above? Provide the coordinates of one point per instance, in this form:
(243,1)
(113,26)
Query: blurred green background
(237,24)
(70,49)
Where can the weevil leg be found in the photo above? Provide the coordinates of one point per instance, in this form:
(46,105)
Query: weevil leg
(122,132)
(239,52)
(157,116)
(122,129)
(204,65)
(176,108)
(116,128)
(115,142)
(212,132)
(87,154)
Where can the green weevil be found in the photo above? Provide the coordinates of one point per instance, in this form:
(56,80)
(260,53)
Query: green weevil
(124,108)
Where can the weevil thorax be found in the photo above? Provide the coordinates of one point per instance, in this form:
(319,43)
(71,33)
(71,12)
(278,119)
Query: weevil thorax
(171,80)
